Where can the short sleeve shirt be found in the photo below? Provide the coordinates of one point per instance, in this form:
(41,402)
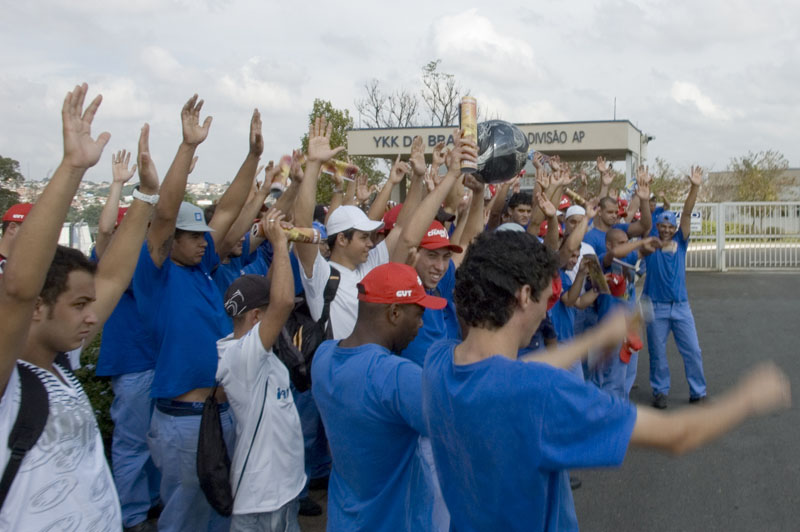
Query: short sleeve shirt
(666,272)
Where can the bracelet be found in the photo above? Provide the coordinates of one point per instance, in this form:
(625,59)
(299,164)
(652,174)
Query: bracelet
(152,199)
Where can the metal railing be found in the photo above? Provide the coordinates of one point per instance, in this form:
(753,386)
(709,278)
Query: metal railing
(744,236)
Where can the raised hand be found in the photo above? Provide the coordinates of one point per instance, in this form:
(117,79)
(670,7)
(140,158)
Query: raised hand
(607,178)
(546,205)
(363,190)
(119,167)
(544,179)
(271,225)
(80,150)
(696,176)
(430,181)
(643,173)
(417,158)
(555,163)
(271,171)
(319,141)
(516,185)
(643,186)
(256,138)
(465,149)
(473,184)
(399,170)
(193,132)
(148,176)
(602,165)
(296,168)
(537,160)
(439,154)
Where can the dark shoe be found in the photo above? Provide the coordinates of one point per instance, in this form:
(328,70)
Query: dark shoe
(320,483)
(575,483)
(660,401)
(309,507)
(144,526)
(697,400)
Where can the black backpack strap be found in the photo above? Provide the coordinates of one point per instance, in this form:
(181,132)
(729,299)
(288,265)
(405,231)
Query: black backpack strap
(327,297)
(31,420)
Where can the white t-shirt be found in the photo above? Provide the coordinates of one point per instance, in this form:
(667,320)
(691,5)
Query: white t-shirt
(64,482)
(586,249)
(275,471)
(344,307)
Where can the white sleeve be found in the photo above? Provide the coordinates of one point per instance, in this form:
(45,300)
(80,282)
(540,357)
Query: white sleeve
(315,285)
(240,360)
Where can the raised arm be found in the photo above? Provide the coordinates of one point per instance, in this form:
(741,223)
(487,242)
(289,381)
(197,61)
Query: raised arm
(762,390)
(281,286)
(642,227)
(606,176)
(121,174)
(35,245)
(396,175)
(116,267)
(474,223)
(162,229)
(696,179)
(319,151)
(410,209)
(232,201)
(625,249)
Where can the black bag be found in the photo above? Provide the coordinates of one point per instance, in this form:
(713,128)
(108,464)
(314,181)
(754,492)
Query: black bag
(301,335)
(213,462)
(34,407)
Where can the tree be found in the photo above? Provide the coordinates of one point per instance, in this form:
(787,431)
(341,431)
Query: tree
(10,176)
(667,183)
(760,176)
(341,121)
(379,109)
(441,94)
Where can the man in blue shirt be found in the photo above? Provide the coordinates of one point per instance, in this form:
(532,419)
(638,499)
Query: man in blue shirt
(504,431)
(371,405)
(665,285)
(183,308)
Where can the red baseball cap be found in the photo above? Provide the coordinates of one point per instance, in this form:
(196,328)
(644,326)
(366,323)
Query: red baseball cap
(121,214)
(565,203)
(543,229)
(396,283)
(390,218)
(437,238)
(18,212)
(556,295)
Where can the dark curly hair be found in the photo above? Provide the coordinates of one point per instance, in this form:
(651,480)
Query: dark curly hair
(66,260)
(519,198)
(496,266)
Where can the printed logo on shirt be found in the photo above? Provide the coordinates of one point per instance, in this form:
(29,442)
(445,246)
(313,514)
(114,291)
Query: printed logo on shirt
(283,393)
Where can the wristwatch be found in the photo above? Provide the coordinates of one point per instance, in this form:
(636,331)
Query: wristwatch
(152,199)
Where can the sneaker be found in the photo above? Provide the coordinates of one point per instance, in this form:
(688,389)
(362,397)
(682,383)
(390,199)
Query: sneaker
(575,483)
(309,507)
(697,400)
(660,401)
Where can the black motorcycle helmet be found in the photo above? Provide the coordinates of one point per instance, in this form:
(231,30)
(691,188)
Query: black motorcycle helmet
(502,151)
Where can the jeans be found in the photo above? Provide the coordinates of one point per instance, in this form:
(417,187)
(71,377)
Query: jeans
(676,317)
(173,445)
(135,475)
(317,457)
(610,373)
(284,519)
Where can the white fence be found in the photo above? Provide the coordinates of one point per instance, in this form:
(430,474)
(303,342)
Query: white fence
(744,236)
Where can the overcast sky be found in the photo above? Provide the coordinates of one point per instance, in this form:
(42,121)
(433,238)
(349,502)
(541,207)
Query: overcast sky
(710,79)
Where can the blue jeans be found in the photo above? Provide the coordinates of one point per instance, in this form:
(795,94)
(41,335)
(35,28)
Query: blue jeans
(675,317)
(173,445)
(317,457)
(135,475)
(610,373)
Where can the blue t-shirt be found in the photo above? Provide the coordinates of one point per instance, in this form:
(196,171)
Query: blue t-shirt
(546,331)
(263,260)
(666,272)
(607,302)
(436,324)
(562,316)
(504,468)
(597,238)
(183,309)
(371,405)
(226,273)
(127,345)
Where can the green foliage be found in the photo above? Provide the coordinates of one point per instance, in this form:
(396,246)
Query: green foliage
(341,122)
(7,199)
(591,188)
(98,389)
(760,176)
(11,176)
(667,183)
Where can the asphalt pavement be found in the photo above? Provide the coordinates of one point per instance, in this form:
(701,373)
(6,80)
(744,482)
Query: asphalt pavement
(749,480)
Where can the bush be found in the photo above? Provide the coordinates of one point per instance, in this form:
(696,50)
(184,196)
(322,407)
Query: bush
(97,388)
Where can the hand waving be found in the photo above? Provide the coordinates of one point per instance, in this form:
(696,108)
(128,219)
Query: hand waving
(148,176)
(80,150)
(417,158)
(399,170)
(319,141)
(696,176)
(256,138)
(119,167)
(193,132)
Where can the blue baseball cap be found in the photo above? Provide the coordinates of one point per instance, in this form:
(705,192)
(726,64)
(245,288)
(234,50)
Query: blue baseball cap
(667,217)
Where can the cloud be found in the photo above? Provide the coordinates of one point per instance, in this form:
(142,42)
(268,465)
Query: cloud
(684,92)
(472,43)
(160,62)
(252,86)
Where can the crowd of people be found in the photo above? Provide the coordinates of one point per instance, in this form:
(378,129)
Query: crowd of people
(455,355)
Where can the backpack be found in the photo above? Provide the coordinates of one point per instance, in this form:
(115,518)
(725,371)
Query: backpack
(301,335)
(213,462)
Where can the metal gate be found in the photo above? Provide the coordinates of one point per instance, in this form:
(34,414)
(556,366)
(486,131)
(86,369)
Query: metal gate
(744,236)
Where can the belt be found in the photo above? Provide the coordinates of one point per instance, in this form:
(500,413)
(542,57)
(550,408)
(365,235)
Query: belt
(184,408)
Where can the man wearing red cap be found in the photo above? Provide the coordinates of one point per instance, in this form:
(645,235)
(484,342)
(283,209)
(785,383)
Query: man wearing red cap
(12,220)
(371,404)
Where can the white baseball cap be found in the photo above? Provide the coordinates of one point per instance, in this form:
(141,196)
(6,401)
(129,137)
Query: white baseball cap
(575,210)
(190,218)
(350,217)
